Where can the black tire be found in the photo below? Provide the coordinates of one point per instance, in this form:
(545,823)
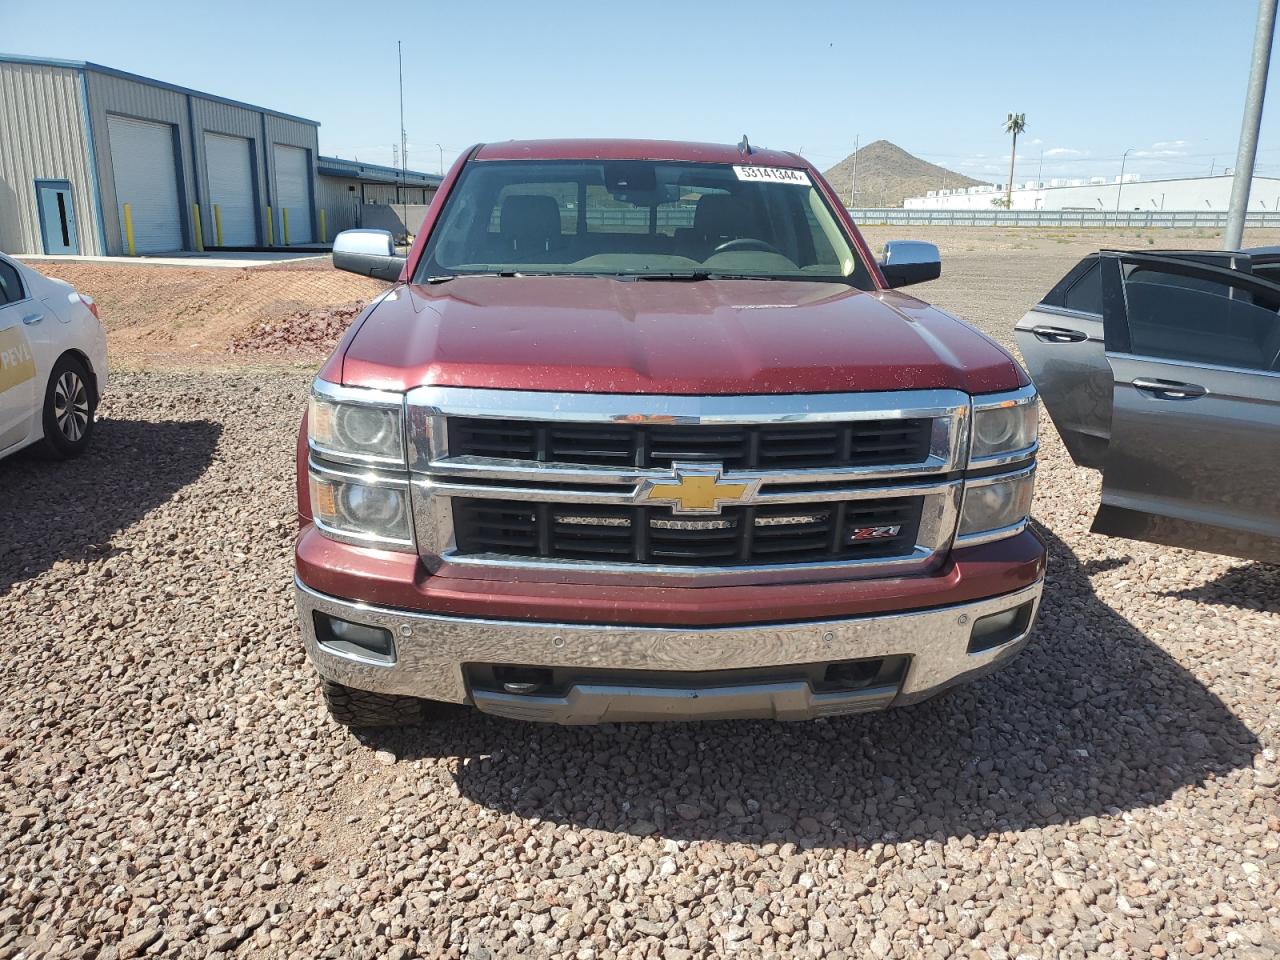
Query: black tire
(70,402)
(362,710)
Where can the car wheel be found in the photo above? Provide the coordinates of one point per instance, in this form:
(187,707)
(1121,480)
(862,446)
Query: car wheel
(69,405)
(361,709)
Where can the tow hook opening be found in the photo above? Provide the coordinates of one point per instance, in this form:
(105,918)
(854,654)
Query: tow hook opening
(523,680)
(997,629)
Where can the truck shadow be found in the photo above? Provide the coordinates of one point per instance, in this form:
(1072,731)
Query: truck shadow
(1092,718)
(54,511)
(1250,586)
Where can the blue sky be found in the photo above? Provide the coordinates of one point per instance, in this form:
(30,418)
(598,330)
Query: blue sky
(1165,79)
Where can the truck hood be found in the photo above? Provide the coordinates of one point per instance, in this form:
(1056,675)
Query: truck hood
(601,335)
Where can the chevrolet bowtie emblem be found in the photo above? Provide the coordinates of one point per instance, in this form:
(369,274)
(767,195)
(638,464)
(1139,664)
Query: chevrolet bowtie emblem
(697,488)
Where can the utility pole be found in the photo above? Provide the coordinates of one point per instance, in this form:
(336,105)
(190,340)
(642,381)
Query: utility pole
(441,149)
(853,187)
(1254,96)
(404,143)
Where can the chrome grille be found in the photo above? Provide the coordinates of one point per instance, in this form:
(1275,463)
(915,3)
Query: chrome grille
(554,481)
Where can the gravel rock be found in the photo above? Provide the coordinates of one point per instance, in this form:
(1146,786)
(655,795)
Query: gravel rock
(170,784)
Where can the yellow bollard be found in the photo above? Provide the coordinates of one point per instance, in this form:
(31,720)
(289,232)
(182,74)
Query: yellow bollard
(217,223)
(128,229)
(324,234)
(284,220)
(195,222)
(271,228)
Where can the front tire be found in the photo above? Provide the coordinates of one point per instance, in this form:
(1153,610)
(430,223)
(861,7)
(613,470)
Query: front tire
(363,710)
(69,406)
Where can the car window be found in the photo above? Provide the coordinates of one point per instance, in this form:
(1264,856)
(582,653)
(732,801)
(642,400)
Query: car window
(1082,285)
(10,283)
(1085,294)
(1200,320)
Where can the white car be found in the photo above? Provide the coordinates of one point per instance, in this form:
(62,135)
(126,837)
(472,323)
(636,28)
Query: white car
(53,362)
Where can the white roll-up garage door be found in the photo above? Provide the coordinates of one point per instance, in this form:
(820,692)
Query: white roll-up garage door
(293,192)
(146,178)
(229,161)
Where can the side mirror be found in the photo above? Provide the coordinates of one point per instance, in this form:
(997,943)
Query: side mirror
(910,261)
(370,253)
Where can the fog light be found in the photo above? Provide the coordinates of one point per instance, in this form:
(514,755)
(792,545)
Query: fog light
(355,639)
(996,629)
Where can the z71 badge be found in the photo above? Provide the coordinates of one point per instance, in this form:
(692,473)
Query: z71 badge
(17,365)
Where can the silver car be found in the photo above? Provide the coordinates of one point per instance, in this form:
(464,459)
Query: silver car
(1162,370)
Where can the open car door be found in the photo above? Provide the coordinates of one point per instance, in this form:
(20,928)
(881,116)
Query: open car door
(1061,340)
(1194,453)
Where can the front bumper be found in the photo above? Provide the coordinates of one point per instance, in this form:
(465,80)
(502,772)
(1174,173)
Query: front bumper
(759,670)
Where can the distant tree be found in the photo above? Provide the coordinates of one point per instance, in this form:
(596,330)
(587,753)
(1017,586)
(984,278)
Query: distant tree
(1015,124)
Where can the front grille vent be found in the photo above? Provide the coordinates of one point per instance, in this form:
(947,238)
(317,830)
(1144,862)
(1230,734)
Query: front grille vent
(858,443)
(792,533)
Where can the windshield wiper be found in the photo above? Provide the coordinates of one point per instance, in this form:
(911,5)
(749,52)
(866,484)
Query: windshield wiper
(691,275)
(446,277)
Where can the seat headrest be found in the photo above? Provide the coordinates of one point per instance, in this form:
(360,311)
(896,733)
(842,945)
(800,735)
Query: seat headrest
(720,217)
(529,222)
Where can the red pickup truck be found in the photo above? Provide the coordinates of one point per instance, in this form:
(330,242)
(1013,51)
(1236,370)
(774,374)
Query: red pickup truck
(644,432)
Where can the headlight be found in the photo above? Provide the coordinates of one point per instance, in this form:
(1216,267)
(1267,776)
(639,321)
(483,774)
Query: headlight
(992,506)
(1005,427)
(361,429)
(377,514)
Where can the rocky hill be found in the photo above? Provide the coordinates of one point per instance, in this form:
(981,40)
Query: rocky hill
(887,174)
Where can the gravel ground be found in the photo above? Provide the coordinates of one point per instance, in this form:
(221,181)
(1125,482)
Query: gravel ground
(170,784)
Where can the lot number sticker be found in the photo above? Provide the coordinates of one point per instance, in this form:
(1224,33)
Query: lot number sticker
(16,363)
(773,175)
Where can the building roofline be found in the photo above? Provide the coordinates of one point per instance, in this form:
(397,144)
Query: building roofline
(957,191)
(91,67)
(357,168)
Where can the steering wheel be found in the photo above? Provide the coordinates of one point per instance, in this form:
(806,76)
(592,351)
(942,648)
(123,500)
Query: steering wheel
(746,243)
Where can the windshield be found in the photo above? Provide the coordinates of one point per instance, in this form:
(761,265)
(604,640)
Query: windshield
(639,218)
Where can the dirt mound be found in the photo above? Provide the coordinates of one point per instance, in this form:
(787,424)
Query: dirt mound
(306,331)
(184,314)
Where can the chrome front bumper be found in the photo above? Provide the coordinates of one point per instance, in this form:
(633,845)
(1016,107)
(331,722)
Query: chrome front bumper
(431,653)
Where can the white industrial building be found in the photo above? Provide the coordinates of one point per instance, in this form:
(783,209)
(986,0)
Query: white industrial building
(98,161)
(1100,193)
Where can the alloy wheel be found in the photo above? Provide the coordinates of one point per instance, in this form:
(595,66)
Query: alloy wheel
(71,405)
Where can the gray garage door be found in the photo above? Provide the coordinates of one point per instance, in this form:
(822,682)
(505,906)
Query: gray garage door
(146,178)
(293,193)
(229,161)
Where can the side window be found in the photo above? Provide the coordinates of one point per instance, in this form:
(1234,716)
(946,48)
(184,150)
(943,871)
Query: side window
(10,283)
(1085,295)
(1077,277)
(1200,320)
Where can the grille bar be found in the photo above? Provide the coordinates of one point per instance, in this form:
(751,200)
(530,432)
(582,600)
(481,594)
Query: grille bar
(857,443)
(739,536)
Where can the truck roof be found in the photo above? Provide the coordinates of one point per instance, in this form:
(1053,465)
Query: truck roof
(615,149)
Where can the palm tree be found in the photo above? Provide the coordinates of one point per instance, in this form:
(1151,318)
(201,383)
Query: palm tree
(1016,123)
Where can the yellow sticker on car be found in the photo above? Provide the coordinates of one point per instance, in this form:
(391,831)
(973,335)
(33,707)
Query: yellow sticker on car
(17,365)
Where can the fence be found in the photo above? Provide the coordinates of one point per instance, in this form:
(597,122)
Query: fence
(1186,219)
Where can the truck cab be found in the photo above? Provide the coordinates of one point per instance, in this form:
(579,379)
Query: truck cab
(643,431)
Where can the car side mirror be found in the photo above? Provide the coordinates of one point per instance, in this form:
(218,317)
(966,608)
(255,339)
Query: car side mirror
(910,261)
(370,253)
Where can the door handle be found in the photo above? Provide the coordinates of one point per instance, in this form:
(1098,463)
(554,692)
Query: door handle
(32,318)
(1170,389)
(1059,334)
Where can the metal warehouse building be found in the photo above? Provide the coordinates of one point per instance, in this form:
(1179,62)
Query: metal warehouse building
(97,161)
